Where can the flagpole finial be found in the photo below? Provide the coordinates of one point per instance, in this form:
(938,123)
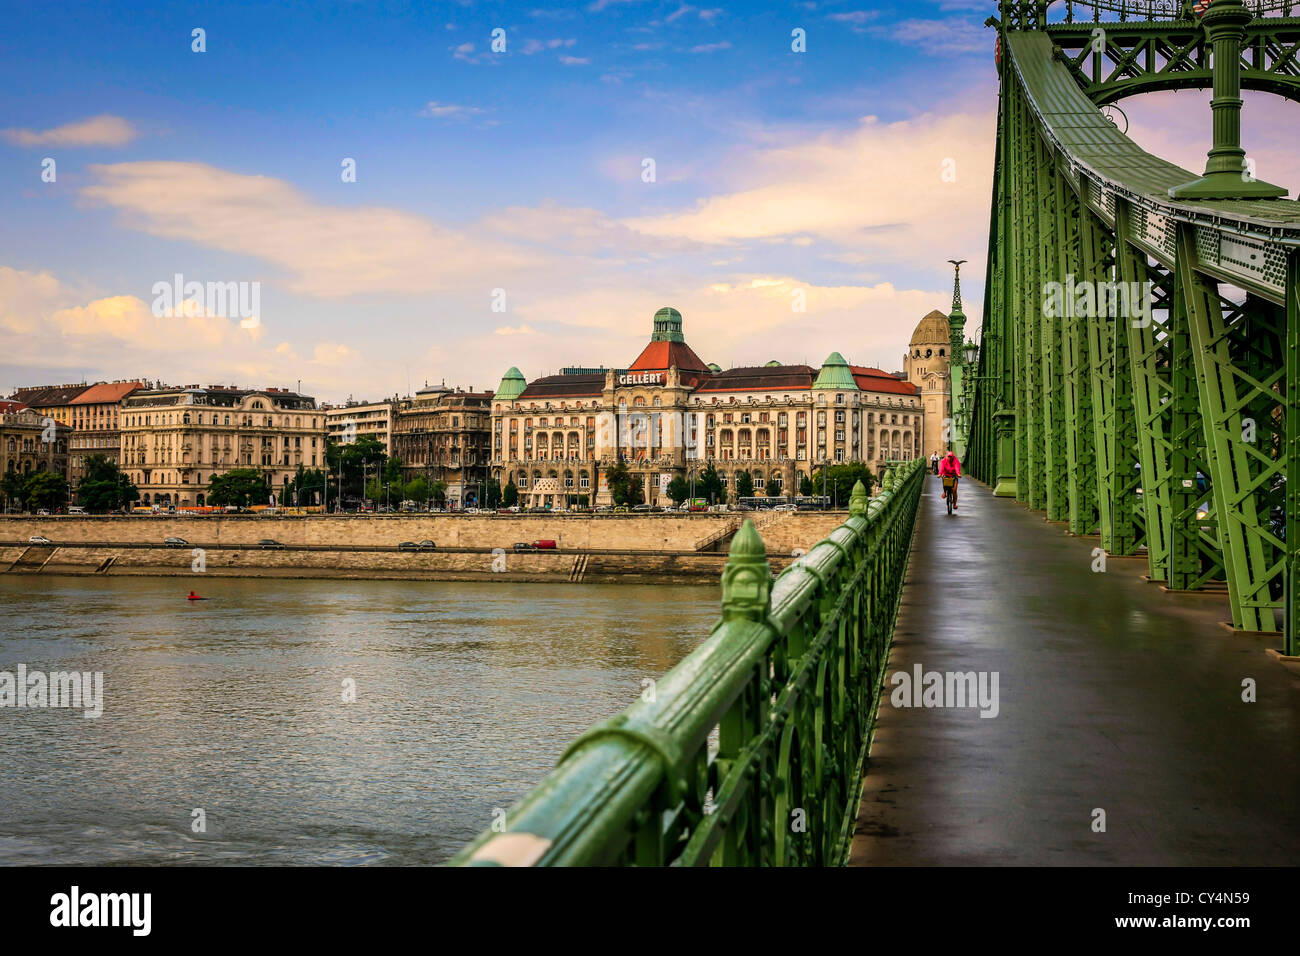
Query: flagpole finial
(956,284)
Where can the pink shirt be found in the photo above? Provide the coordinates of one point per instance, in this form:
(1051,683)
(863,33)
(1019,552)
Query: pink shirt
(949,465)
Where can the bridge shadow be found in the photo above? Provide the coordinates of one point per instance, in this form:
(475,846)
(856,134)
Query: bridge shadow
(1113,696)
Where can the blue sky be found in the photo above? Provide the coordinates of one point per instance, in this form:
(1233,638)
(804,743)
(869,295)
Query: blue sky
(775,172)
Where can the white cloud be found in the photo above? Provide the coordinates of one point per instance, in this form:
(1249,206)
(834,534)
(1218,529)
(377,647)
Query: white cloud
(943,37)
(102,130)
(49,325)
(711,47)
(449,110)
(325,251)
(574,60)
(537,46)
(879,185)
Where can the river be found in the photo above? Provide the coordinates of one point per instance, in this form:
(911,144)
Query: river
(230,712)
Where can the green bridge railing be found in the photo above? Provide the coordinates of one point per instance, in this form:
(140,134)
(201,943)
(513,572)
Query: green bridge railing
(750,751)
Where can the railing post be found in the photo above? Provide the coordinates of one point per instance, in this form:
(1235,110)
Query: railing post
(747,578)
(858,501)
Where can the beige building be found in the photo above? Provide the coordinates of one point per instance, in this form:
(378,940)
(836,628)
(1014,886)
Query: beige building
(30,442)
(926,366)
(669,413)
(352,420)
(175,439)
(443,434)
(95,425)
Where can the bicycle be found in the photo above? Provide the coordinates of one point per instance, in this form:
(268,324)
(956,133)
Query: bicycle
(950,491)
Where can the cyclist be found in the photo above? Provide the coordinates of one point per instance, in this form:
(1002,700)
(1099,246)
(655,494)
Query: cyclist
(949,474)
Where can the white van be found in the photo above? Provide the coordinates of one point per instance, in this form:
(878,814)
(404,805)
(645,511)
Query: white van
(76,510)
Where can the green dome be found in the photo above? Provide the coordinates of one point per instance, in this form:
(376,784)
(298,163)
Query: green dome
(772,364)
(512,385)
(836,374)
(715,367)
(668,326)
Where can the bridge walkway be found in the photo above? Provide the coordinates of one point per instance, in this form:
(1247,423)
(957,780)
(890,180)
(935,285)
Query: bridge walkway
(1113,694)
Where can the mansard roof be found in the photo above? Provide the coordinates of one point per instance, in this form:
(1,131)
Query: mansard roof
(565,386)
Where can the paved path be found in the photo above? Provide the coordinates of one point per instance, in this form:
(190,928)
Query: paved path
(1113,694)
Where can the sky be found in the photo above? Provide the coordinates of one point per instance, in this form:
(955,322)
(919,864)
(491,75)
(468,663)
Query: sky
(528,206)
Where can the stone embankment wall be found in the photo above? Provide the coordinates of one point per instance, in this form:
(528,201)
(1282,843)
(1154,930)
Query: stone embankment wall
(782,531)
(625,548)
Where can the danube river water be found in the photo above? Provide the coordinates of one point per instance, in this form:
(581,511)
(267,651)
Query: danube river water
(231,711)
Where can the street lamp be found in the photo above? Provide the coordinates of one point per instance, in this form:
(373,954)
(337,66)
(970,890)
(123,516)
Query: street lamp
(971,353)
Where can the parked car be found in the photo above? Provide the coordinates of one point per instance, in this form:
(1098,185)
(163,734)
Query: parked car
(544,545)
(525,546)
(176,542)
(270,543)
(786,508)
(698,508)
(427,545)
(43,511)
(76,510)
(641,508)
(406,546)
(39,539)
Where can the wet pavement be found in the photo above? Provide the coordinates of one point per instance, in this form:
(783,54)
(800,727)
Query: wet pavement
(1113,696)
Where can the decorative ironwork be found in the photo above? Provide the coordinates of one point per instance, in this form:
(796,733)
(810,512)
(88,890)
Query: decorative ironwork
(1172,9)
(789,681)
(1169,429)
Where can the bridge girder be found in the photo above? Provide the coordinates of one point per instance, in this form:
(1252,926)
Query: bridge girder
(1164,430)
(1127,59)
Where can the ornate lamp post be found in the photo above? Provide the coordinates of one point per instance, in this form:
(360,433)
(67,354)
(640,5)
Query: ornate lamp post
(1226,174)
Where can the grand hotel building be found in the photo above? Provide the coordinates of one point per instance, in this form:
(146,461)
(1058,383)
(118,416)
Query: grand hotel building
(669,413)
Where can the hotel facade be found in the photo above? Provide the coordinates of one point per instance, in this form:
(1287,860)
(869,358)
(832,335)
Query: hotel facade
(669,413)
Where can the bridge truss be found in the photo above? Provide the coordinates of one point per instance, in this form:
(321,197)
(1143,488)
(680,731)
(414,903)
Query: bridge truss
(1166,422)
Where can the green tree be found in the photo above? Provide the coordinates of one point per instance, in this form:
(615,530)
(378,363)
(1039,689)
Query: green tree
(806,486)
(744,485)
(510,495)
(45,489)
(840,480)
(678,489)
(619,480)
(635,490)
(709,485)
(365,454)
(11,486)
(105,488)
(491,493)
(239,486)
(439,492)
(393,471)
(417,489)
(310,486)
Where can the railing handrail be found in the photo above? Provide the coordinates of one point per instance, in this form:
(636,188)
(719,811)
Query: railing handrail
(793,729)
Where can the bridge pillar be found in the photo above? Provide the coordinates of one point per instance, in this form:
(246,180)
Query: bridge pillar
(1226,175)
(1004,430)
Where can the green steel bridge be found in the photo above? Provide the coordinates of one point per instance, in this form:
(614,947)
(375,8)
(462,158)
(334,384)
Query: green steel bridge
(1137,387)
(1168,423)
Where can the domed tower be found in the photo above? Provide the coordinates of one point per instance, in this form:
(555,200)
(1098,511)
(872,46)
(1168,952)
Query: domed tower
(511,387)
(926,365)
